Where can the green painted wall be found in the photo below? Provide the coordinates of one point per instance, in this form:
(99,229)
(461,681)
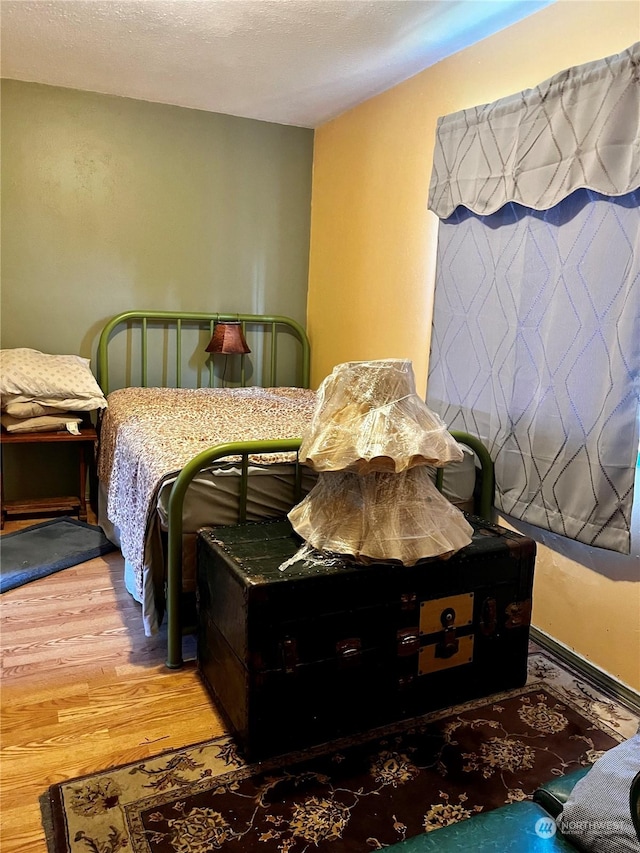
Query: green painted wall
(111,204)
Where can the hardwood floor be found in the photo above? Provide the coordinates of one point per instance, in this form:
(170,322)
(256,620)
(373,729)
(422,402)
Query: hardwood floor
(83,689)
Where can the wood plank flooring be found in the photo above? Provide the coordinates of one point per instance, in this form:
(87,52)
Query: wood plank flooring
(83,689)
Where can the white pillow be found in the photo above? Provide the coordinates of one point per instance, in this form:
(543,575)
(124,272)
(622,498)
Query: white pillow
(64,404)
(46,423)
(29,410)
(59,381)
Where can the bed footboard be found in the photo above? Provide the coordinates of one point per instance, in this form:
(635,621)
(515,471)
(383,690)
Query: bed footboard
(245,449)
(485,493)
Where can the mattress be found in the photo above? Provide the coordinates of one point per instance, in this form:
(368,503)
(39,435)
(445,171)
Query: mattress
(212,499)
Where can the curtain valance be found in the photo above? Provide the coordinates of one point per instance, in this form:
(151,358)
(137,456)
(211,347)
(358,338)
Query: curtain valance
(579,129)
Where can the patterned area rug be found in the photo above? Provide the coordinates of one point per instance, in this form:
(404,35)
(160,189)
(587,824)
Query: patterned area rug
(356,794)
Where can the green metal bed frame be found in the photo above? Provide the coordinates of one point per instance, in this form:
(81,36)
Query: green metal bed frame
(140,322)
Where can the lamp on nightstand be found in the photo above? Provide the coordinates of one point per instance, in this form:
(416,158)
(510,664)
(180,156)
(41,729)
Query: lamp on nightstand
(228,339)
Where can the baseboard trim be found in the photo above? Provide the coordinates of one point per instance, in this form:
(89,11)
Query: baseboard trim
(607,683)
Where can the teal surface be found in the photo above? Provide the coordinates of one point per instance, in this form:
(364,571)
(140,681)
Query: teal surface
(553,794)
(517,828)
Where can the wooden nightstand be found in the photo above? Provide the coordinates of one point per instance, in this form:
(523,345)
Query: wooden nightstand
(86,441)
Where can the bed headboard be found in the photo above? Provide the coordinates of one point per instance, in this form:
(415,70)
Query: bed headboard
(167,349)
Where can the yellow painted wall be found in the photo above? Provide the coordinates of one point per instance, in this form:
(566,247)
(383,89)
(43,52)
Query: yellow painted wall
(372,261)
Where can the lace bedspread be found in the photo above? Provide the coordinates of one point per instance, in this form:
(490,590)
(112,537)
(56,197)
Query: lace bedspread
(149,434)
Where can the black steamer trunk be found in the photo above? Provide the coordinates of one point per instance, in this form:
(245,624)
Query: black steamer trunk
(329,648)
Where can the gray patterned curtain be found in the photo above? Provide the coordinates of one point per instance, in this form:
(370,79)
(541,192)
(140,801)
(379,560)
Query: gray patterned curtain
(577,129)
(536,334)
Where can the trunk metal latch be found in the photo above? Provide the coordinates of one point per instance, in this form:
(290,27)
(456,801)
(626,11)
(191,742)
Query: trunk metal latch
(446,633)
(449,644)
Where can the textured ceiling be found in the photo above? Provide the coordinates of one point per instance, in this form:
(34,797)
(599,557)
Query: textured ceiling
(297,62)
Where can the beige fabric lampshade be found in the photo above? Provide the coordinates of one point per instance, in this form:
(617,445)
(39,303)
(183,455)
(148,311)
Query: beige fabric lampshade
(369,418)
(380,517)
